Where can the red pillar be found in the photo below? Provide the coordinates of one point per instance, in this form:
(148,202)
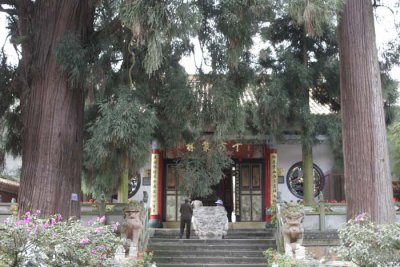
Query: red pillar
(268,183)
(160,186)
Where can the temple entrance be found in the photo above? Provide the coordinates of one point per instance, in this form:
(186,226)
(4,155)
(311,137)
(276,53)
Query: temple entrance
(223,190)
(240,188)
(250,192)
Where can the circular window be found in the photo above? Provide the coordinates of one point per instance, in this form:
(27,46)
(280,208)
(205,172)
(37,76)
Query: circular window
(294,179)
(133,185)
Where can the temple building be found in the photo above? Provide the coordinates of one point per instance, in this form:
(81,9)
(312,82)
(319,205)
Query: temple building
(261,174)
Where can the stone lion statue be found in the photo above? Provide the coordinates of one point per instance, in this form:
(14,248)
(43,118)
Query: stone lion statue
(293,230)
(133,223)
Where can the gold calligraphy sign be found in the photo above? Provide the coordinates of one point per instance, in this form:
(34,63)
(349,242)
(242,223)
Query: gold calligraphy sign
(206,146)
(237,146)
(190,147)
(274,179)
(155,159)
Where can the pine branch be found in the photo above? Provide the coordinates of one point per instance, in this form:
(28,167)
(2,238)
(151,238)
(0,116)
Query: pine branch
(112,27)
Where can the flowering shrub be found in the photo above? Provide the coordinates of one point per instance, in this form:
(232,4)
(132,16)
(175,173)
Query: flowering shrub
(276,259)
(368,244)
(33,241)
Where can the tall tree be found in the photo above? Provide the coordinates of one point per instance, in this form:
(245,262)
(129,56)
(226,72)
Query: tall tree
(144,56)
(51,100)
(305,49)
(366,168)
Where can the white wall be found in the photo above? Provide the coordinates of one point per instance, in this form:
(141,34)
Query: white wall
(289,154)
(139,194)
(12,165)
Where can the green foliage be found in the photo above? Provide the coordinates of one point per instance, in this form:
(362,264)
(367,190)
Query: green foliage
(314,14)
(155,23)
(7,96)
(390,96)
(274,258)
(10,121)
(71,58)
(331,126)
(394,146)
(221,111)
(368,244)
(122,131)
(227,30)
(12,137)
(202,169)
(173,100)
(291,72)
(272,103)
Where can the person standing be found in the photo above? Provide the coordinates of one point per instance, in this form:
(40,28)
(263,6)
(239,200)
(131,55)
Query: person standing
(186,218)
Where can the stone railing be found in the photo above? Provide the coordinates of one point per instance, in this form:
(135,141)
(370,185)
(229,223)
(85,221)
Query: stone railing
(330,216)
(144,234)
(279,230)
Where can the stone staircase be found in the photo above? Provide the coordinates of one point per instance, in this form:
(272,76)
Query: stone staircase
(239,248)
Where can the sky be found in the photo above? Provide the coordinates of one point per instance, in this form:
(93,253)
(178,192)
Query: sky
(384,25)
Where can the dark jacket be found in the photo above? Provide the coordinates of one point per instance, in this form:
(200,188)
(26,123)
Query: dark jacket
(186,211)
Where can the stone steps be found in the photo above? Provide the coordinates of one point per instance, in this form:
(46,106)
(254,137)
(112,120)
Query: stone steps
(170,251)
(210,260)
(211,252)
(231,233)
(211,265)
(223,248)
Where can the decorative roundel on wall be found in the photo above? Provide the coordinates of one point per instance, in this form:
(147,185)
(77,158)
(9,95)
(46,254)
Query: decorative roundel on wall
(134,184)
(294,180)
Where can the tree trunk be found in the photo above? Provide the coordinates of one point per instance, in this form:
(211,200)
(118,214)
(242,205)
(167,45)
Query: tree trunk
(308,174)
(366,162)
(306,146)
(123,184)
(52,109)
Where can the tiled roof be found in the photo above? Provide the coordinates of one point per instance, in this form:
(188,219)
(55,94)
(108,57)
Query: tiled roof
(248,96)
(8,185)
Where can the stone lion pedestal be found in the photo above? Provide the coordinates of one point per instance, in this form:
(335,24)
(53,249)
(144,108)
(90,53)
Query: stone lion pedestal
(210,222)
(293,230)
(133,225)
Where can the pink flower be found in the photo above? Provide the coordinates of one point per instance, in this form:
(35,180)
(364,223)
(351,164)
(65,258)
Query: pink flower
(98,230)
(84,241)
(90,222)
(114,226)
(361,217)
(38,212)
(46,225)
(59,217)
(93,251)
(28,213)
(53,221)
(101,219)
